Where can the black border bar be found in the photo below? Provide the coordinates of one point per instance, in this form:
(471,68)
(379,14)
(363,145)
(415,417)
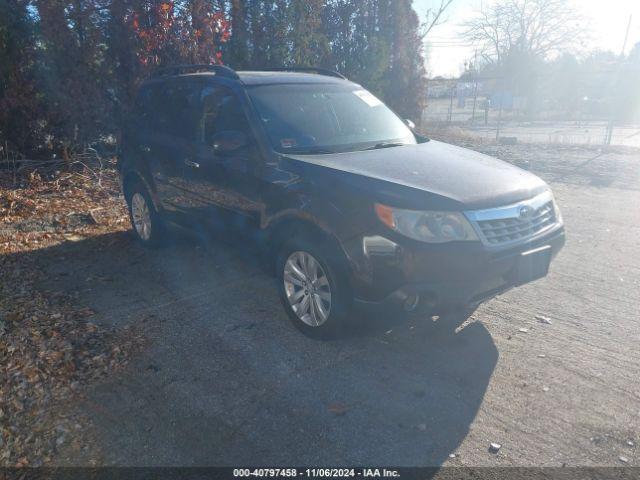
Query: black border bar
(398,473)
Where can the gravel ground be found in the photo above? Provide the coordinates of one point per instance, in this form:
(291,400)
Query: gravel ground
(226,380)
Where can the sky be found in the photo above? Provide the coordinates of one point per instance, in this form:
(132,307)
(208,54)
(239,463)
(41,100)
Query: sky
(447,50)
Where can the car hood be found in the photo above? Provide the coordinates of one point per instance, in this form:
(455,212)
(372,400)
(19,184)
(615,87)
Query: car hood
(465,177)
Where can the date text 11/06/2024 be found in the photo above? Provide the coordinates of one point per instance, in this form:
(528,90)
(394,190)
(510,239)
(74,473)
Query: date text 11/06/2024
(317,472)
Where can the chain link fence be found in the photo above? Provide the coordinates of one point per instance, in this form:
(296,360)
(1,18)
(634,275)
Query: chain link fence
(504,118)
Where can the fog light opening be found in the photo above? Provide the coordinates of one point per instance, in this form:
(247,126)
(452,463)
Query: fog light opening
(411,302)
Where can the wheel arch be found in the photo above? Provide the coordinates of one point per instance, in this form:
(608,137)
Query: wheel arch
(132,177)
(297,224)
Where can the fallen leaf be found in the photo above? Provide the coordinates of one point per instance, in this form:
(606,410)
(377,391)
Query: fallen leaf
(72,237)
(338,409)
(543,319)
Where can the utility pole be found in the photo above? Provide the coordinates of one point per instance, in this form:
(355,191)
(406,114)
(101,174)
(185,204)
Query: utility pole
(609,134)
(626,37)
(499,118)
(453,89)
(475,86)
(502,85)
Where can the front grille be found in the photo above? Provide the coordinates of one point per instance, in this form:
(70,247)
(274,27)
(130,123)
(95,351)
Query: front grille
(505,225)
(506,230)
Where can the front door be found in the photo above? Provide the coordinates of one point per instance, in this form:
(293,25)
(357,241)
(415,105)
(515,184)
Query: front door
(224,187)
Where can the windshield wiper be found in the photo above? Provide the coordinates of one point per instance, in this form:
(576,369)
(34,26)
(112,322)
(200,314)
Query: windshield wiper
(380,145)
(307,151)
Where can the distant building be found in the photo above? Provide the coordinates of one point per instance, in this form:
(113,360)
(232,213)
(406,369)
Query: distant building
(439,87)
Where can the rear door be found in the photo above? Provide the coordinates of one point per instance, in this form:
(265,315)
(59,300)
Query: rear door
(170,143)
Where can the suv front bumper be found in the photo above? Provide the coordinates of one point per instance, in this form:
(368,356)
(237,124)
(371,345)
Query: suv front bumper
(444,276)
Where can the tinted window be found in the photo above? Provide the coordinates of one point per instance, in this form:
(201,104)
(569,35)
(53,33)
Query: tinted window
(221,111)
(143,105)
(170,108)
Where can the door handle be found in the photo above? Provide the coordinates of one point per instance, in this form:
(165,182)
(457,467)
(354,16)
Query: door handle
(191,163)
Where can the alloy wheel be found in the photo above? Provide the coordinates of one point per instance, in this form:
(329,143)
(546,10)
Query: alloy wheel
(307,288)
(141,216)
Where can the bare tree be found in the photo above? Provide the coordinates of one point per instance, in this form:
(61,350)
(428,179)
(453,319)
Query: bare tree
(434,17)
(532,28)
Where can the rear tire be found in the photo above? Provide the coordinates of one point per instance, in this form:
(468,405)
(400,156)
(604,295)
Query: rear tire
(313,286)
(148,227)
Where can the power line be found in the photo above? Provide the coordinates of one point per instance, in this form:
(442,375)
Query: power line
(458,45)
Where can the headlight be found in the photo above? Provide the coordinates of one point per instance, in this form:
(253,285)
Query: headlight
(556,210)
(427,226)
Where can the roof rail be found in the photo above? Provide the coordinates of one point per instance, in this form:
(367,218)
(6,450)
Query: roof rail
(221,70)
(319,71)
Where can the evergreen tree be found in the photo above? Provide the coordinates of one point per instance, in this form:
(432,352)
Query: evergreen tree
(237,52)
(358,47)
(270,26)
(20,108)
(309,45)
(405,86)
(64,63)
(124,68)
(72,74)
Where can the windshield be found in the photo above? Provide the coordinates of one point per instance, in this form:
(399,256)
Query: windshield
(323,118)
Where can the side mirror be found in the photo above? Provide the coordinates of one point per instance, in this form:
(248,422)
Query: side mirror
(228,141)
(409,124)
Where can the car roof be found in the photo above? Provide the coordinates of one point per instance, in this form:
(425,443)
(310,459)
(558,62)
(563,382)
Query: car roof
(271,78)
(265,77)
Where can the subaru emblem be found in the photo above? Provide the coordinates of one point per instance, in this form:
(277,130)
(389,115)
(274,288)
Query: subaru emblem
(525,212)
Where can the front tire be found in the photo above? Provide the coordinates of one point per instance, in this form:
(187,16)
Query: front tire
(314,291)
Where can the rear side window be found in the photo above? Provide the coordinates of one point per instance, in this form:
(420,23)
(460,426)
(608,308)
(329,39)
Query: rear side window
(170,108)
(143,109)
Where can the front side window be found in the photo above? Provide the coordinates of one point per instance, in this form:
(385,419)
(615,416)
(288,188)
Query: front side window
(221,111)
(335,118)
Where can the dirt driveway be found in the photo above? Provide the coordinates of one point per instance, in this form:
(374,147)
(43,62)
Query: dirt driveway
(226,380)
